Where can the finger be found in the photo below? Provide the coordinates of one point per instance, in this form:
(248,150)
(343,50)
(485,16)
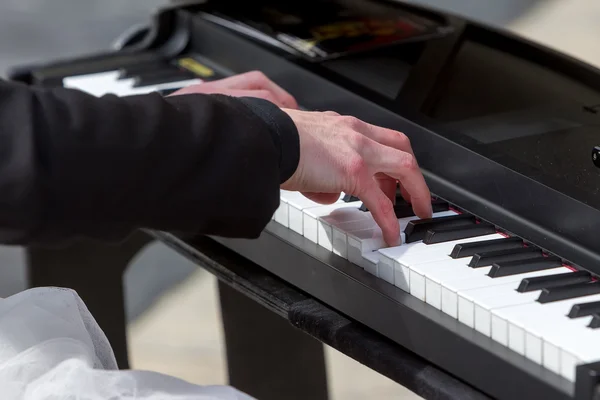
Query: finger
(402,166)
(256,80)
(323,198)
(382,210)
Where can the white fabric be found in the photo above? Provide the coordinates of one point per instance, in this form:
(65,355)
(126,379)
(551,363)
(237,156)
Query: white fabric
(51,348)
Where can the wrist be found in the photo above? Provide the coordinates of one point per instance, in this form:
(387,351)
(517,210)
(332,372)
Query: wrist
(283,131)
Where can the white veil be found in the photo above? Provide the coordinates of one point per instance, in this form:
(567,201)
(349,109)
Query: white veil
(51,348)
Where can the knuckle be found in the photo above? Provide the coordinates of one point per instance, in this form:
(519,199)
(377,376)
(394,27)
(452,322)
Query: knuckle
(258,76)
(403,140)
(290,101)
(352,122)
(408,162)
(358,141)
(331,113)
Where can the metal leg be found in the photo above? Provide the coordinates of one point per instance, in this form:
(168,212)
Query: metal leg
(95,270)
(267,357)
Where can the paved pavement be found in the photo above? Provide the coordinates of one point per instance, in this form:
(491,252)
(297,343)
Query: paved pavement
(163,298)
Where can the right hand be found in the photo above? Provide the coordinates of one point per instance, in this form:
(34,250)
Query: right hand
(344,154)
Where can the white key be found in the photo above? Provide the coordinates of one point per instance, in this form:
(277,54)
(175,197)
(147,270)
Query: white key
(297,203)
(371,239)
(399,258)
(337,224)
(522,328)
(314,226)
(282,212)
(476,302)
(369,263)
(340,226)
(96,84)
(452,286)
(576,344)
(474,305)
(416,265)
(100,84)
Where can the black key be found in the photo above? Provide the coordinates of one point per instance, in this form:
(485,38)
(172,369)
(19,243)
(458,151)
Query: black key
(439,205)
(135,70)
(568,292)
(470,249)
(584,309)
(416,230)
(163,76)
(348,198)
(523,266)
(550,281)
(456,233)
(403,209)
(595,322)
(485,259)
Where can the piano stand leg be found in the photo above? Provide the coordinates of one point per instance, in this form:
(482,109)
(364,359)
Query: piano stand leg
(95,271)
(266,356)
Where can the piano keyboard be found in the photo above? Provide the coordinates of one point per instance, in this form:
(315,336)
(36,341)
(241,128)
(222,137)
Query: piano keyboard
(162,77)
(506,289)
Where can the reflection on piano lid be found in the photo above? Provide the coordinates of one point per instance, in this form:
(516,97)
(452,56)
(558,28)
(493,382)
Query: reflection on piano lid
(503,130)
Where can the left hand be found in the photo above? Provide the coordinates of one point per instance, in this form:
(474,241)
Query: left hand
(249,84)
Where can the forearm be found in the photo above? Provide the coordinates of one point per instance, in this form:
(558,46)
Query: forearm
(77,165)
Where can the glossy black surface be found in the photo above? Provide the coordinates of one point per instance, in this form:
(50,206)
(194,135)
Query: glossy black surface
(471,248)
(417,229)
(595,322)
(508,268)
(584,309)
(440,235)
(572,291)
(485,259)
(551,281)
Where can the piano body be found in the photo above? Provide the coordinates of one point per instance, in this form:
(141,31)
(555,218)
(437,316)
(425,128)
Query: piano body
(503,278)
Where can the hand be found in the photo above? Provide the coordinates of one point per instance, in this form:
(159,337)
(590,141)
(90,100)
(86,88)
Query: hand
(344,154)
(249,84)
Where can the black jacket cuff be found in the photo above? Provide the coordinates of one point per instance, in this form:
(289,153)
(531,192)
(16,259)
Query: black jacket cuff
(284,133)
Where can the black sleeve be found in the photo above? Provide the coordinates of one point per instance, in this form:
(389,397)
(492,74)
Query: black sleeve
(75,165)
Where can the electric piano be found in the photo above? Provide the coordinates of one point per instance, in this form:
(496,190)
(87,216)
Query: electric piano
(499,288)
